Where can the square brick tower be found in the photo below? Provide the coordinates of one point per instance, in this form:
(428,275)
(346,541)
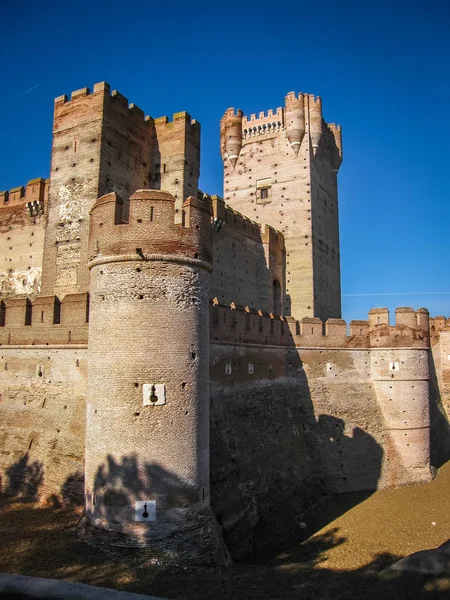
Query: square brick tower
(281,169)
(103,144)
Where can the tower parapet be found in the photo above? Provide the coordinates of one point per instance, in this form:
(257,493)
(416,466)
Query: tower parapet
(104,144)
(314,115)
(295,120)
(231,135)
(336,148)
(148,400)
(176,158)
(280,168)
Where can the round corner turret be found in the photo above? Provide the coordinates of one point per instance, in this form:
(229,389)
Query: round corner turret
(148,394)
(294,117)
(231,135)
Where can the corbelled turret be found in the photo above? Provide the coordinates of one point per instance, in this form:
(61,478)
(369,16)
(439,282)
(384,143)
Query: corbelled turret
(294,114)
(231,135)
(336,155)
(314,106)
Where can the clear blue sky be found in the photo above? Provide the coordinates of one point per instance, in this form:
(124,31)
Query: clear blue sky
(381,68)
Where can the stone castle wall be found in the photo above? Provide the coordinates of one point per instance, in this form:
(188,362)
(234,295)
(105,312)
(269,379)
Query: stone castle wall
(291,409)
(281,169)
(297,406)
(247,259)
(22,228)
(313,411)
(102,144)
(297,409)
(42,429)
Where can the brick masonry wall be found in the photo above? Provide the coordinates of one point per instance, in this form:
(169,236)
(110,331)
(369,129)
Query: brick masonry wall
(22,227)
(325,234)
(247,258)
(74,187)
(102,144)
(176,158)
(29,323)
(148,330)
(290,424)
(287,423)
(42,429)
(301,200)
(440,344)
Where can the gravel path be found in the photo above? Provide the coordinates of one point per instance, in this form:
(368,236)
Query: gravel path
(339,556)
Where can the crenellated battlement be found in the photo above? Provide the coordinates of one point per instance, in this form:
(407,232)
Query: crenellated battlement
(182,118)
(36,190)
(291,97)
(45,321)
(263,124)
(240,222)
(233,218)
(238,324)
(231,112)
(439,323)
(268,119)
(314,100)
(102,89)
(99,88)
(119,100)
(151,226)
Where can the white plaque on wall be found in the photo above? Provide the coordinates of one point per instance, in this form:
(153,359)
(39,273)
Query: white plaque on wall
(154,394)
(145,510)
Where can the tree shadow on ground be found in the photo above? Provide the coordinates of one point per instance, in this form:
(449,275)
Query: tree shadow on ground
(42,541)
(275,458)
(182,527)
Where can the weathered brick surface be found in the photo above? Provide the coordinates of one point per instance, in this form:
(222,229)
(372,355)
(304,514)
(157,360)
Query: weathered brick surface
(236,314)
(139,302)
(102,144)
(42,429)
(22,227)
(247,259)
(301,202)
(289,424)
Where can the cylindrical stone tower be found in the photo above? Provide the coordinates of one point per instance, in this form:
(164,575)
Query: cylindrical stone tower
(294,116)
(313,108)
(400,374)
(147,440)
(231,135)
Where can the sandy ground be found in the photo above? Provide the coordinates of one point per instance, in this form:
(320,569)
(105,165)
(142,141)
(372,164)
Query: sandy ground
(339,556)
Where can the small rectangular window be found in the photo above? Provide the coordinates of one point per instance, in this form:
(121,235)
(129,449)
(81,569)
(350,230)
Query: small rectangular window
(263,190)
(57,312)
(28,312)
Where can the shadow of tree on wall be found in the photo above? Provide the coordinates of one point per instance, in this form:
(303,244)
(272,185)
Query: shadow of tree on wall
(274,460)
(72,490)
(119,483)
(42,541)
(349,462)
(24,478)
(439,425)
(184,528)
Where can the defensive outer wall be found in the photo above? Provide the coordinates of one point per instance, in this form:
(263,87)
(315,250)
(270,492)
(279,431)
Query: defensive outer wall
(153,373)
(297,410)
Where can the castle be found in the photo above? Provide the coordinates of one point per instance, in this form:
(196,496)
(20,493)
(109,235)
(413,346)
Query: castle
(177,359)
